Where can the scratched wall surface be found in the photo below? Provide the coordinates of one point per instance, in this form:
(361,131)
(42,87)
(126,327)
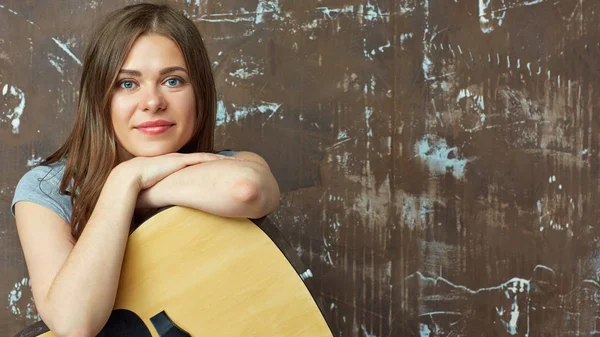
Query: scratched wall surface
(438,159)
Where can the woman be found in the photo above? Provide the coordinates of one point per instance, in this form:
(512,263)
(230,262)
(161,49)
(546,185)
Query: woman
(143,139)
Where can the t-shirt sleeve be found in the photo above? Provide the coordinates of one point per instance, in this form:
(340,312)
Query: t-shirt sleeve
(41,186)
(227,152)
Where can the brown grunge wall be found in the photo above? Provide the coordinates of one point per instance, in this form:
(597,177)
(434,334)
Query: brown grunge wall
(438,159)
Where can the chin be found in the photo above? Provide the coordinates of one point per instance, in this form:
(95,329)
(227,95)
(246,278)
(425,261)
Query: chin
(153,152)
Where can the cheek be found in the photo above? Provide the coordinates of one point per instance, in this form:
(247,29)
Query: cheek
(187,104)
(121,109)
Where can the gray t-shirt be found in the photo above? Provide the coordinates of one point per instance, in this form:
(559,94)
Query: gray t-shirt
(41,186)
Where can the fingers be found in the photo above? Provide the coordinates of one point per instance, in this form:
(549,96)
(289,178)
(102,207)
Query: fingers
(202,157)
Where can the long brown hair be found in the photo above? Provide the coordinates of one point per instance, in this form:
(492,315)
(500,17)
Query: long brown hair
(91,149)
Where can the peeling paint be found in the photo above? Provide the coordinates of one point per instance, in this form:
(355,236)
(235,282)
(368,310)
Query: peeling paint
(66,49)
(34,161)
(10,93)
(438,157)
(15,301)
(267,6)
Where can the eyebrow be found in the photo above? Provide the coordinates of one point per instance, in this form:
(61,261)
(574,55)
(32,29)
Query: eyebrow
(162,72)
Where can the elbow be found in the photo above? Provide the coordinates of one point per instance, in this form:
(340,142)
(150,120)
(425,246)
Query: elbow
(83,332)
(258,195)
(70,330)
(65,326)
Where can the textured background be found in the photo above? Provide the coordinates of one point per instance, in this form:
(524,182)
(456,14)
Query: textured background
(438,158)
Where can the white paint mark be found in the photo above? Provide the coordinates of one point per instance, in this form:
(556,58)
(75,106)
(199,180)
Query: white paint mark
(17,14)
(57,66)
(512,289)
(4,56)
(327,11)
(518,286)
(415,210)
(243,16)
(371,13)
(14,114)
(268,107)
(434,151)
(66,49)
(34,161)
(405,9)
(189,2)
(57,62)
(221,113)
(235,19)
(387,45)
(405,36)
(242,112)
(327,258)
(14,298)
(427,64)
(245,73)
(266,6)
(484,21)
(427,67)
(368,114)
(365,49)
(367,334)
(424,330)
(478,100)
(529,67)
(342,134)
(310,26)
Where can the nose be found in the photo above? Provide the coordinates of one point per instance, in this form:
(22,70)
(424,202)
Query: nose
(152,100)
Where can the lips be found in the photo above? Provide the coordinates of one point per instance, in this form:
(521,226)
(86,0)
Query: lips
(151,124)
(154,127)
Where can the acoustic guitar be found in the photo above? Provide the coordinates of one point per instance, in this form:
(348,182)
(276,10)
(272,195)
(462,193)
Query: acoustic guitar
(190,273)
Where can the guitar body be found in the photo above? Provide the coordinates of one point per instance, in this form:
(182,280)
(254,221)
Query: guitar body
(208,276)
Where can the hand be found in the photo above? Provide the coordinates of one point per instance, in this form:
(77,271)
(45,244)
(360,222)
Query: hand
(147,171)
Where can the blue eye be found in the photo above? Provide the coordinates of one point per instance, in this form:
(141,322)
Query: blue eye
(173,82)
(126,85)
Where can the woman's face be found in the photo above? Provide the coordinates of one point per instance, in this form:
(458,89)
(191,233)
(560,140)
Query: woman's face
(153,107)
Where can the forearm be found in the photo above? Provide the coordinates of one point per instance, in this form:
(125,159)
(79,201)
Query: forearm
(222,187)
(83,293)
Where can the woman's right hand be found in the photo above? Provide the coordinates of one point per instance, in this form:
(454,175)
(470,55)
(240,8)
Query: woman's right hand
(148,171)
